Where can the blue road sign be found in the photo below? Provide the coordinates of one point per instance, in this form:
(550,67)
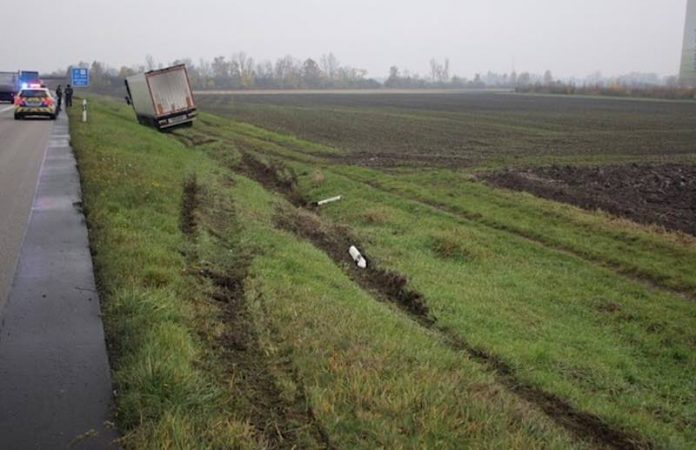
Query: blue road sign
(80,77)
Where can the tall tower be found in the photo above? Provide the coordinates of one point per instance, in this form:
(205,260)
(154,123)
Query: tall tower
(687,74)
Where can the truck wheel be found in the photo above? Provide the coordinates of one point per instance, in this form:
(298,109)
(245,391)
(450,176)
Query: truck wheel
(17,117)
(52,117)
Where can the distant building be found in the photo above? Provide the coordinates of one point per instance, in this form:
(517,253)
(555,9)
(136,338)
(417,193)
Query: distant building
(687,74)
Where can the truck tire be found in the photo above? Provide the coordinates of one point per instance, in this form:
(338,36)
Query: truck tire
(17,117)
(52,117)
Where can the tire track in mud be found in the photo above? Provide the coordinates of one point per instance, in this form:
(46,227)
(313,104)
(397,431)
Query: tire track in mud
(279,422)
(189,205)
(386,284)
(334,240)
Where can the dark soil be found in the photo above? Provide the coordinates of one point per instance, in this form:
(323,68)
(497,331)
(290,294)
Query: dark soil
(663,195)
(335,242)
(273,176)
(192,140)
(189,204)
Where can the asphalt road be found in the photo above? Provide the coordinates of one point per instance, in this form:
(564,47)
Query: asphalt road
(22,148)
(55,382)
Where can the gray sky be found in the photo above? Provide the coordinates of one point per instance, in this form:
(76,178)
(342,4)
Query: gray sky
(568,37)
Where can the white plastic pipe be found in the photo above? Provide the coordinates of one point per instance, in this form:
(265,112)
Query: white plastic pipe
(357,257)
(329,200)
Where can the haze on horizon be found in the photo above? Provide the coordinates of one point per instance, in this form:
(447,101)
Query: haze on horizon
(568,38)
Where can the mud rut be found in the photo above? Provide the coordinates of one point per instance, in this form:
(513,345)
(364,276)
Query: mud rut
(385,285)
(278,423)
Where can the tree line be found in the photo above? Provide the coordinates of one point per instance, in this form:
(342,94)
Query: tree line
(241,71)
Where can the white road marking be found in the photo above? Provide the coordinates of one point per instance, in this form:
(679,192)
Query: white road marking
(6,109)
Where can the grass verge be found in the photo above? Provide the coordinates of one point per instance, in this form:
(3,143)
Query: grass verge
(559,321)
(227,332)
(156,315)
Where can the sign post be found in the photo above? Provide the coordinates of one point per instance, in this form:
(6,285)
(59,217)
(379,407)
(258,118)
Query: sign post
(79,77)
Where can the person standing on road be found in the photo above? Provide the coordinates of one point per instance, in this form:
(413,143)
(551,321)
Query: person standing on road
(59,96)
(68,96)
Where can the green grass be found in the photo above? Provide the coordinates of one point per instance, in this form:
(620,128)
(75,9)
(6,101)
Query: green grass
(373,377)
(370,375)
(168,392)
(557,309)
(609,345)
(660,258)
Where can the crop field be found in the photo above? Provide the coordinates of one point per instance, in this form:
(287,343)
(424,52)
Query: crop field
(476,129)
(492,314)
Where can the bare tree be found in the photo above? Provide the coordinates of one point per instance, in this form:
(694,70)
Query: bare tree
(288,72)
(330,66)
(150,62)
(220,67)
(548,78)
(311,74)
(439,73)
(245,68)
(125,72)
(264,74)
(524,79)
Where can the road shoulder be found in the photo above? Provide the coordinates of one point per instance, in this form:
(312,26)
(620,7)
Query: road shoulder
(55,382)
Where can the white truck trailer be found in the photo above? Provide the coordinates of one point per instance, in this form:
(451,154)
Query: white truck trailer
(8,86)
(162,98)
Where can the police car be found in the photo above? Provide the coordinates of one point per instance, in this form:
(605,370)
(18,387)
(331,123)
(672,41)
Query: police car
(35,101)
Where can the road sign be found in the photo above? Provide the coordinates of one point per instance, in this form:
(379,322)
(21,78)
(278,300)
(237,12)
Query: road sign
(80,77)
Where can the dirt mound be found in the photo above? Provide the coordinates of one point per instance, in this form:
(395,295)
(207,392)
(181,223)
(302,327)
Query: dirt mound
(663,195)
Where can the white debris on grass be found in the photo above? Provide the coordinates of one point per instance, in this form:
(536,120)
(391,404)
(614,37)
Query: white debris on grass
(329,200)
(357,257)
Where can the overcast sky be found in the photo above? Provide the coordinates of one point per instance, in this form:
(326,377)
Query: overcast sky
(568,37)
